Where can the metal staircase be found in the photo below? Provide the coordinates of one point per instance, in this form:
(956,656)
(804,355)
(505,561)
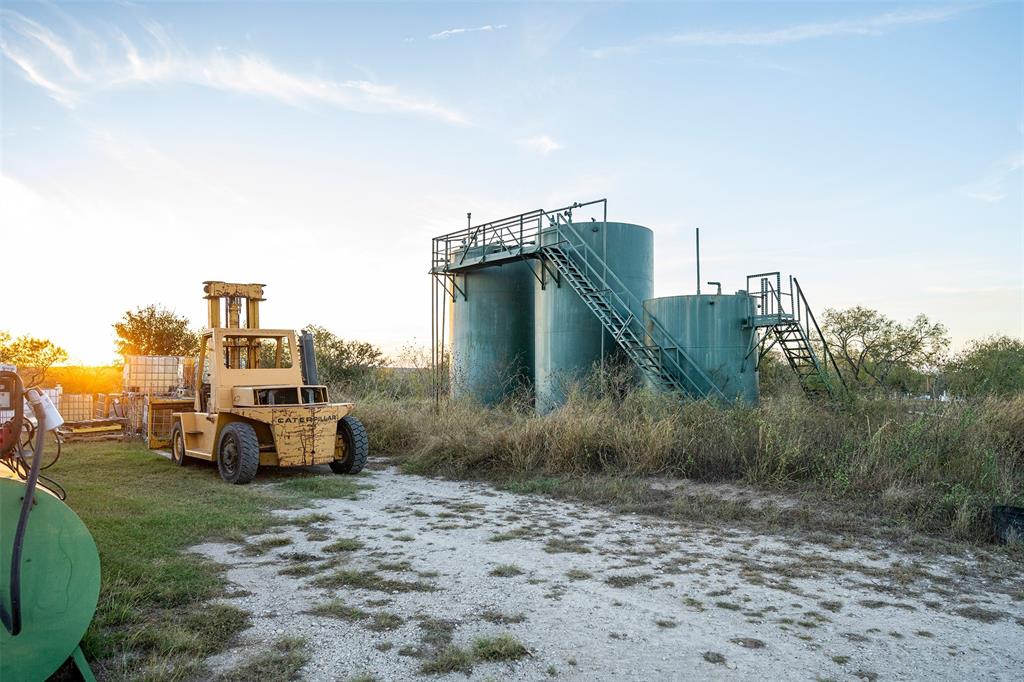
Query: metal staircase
(795,331)
(653,350)
(802,359)
(649,358)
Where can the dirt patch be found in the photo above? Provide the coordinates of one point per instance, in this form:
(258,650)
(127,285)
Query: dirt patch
(725,492)
(512,586)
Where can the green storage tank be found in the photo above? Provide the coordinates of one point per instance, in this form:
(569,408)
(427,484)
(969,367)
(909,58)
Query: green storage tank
(715,331)
(492,332)
(568,338)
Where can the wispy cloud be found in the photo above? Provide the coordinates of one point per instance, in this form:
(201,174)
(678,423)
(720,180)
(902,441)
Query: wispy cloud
(993,187)
(448,33)
(542,144)
(48,61)
(771,37)
(971,291)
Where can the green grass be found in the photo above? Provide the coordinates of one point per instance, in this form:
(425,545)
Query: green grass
(152,616)
(694,603)
(448,660)
(504,647)
(367,580)
(335,608)
(626,580)
(578,574)
(435,632)
(343,545)
(300,570)
(260,547)
(980,614)
(499,618)
(198,632)
(384,621)
(505,571)
(517,534)
(323,487)
(566,546)
(282,662)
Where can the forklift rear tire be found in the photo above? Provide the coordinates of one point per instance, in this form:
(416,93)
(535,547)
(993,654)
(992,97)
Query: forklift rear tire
(357,446)
(238,453)
(178,455)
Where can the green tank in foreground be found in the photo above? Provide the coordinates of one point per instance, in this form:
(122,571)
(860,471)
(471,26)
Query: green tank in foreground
(60,585)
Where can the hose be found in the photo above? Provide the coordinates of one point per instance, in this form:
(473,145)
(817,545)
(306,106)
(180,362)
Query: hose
(12,621)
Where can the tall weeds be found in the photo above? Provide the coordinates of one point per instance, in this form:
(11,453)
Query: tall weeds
(937,467)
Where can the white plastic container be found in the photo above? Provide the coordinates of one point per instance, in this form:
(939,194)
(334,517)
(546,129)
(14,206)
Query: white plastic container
(51,418)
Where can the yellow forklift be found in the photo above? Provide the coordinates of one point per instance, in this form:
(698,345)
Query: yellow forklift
(258,401)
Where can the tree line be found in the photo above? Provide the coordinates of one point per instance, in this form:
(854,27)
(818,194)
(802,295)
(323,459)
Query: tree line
(877,354)
(874,353)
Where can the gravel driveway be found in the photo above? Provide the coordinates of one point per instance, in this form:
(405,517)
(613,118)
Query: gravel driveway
(594,595)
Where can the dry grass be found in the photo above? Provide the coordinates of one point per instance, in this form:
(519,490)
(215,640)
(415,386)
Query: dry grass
(505,571)
(748,642)
(935,469)
(983,615)
(714,657)
(499,618)
(336,608)
(365,580)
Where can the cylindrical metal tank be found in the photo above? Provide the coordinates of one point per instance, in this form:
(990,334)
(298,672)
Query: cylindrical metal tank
(568,338)
(714,331)
(492,332)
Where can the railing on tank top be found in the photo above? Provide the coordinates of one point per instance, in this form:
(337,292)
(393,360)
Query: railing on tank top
(512,234)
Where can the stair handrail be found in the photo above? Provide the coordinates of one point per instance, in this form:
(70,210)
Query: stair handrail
(564,222)
(778,308)
(801,298)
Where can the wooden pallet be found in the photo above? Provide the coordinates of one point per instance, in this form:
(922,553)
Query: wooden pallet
(94,430)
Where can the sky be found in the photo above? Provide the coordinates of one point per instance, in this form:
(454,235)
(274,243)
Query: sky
(875,151)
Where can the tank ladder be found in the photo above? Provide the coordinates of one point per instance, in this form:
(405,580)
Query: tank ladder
(653,350)
(795,331)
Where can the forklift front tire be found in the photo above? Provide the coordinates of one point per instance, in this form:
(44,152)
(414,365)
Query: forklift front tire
(178,455)
(238,453)
(352,434)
